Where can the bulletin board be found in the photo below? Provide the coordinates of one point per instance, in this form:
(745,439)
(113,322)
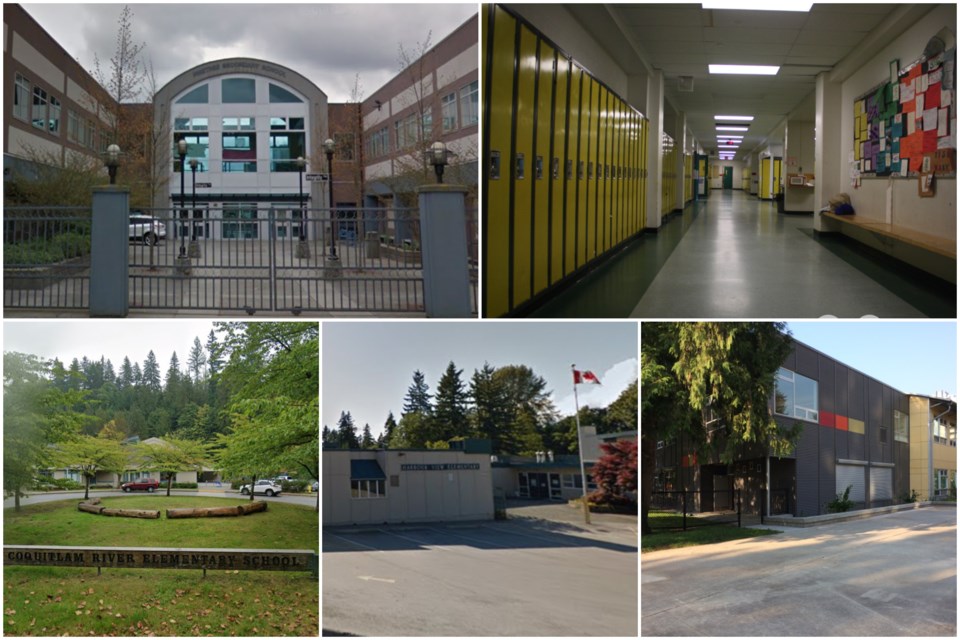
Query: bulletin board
(907,119)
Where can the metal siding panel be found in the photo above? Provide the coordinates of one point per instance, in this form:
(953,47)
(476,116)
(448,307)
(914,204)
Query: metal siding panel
(856,446)
(496,263)
(874,418)
(542,184)
(790,362)
(827,463)
(808,362)
(856,396)
(523,159)
(826,385)
(808,487)
(842,390)
(560,183)
(853,476)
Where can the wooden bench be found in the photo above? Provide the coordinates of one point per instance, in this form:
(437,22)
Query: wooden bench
(934,254)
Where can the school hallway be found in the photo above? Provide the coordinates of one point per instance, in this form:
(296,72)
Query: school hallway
(732,255)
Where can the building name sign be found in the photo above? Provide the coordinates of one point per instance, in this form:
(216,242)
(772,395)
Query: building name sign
(239,66)
(159,558)
(460,466)
(204,185)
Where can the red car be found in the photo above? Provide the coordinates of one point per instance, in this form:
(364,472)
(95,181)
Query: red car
(143,484)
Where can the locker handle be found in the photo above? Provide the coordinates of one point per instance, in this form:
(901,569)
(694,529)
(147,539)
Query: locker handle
(569,169)
(580,170)
(555,169)
(494,165)
(538,168)
(520,166)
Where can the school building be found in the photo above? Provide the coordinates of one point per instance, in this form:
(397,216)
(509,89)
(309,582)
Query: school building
(667,160)
(856,432)
(933,446)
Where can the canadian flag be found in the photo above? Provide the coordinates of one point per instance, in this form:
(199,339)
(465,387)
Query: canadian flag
(582,377)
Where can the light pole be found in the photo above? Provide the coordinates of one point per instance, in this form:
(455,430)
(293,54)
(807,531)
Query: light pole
(438,158)
(112,162)
(328,148)
(182,261)
(194,251)
(303,247)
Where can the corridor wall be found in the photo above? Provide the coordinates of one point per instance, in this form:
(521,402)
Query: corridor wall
(687,177)
(668,179)
(564,175)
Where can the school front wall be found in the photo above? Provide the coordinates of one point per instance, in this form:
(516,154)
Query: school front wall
(419,496)
(848,402)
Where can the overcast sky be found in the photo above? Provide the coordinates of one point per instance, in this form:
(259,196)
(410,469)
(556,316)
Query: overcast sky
(368,366)
(112,339)
(328,43)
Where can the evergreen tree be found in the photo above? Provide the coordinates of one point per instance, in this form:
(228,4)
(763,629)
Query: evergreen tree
(327,436)
(196,360)
(109,375)
(172,379)
(214,354)
(367,441)
(531,409)
(389,429)
(347,432)
(450,409)
(623,413)
(137,375)
(490,413)
(151,372)
(125,379)
(418,396)
(75,375)
(59,375)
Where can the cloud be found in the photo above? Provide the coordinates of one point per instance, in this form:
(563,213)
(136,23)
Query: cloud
(612,383)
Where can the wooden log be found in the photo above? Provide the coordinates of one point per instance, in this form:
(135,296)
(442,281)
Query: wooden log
(254,507)
(93,501)
(205,512)
(89,508)
(148,514)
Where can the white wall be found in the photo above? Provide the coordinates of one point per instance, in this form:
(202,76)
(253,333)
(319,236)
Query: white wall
(738,169)
(800,158)
(937,215)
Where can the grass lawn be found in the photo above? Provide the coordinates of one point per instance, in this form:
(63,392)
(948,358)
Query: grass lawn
(694,535)
(49,601)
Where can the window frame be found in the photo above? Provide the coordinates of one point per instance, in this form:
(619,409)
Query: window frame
(22,97)
(472,89)
(44,108)
(808,414)
(447,102)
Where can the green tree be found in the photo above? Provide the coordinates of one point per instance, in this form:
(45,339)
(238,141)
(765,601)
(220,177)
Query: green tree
(490,412)
(725,370)
(367,441)
(389,428)
(36,414)
(414,431)
(151,372)
(89,455)
(172,455)
(347,432)
(615,474)
(623,413)
(450,406)
(196,360)
(530,406)
(418,398)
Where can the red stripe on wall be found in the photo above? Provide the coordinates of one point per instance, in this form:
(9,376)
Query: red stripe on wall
(827,419)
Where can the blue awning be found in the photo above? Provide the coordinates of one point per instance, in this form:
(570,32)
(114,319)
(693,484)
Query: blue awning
(366,470)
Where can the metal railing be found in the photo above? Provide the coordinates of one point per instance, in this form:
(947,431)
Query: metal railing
(46,257)
(727,508)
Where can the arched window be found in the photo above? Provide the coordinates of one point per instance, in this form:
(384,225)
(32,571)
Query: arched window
(200,95)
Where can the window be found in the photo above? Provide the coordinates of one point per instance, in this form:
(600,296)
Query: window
(901,426)
(241,230)
(200,95)
(281,95)
(796,396)
(237,124)
(367,489)
(344,145)
(238,90)
(39,108)
(198,147)
(944,433)
(469,104)
(285,148)
(239,152)
(378,144)
(941,481)
(426,123)
(191,124)
(89,134)
(407,132)
(572,481)
(883,434)
(21,98)
(284,124)
(54,122)
(73,127)
(448,111)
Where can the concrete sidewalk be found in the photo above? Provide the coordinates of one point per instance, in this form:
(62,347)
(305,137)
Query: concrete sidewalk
(891,575)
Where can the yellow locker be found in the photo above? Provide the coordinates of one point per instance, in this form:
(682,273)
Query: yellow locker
(523,167)
(765,188)
(542,169)
(500,35)
(589,121)
(615,229)
(776,176)
(573,172)
(605,183)
(645,175)
(560,183)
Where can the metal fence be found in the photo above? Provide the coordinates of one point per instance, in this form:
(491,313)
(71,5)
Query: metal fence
(46,257)
(726,509)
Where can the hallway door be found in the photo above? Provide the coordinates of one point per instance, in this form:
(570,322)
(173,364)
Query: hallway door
(728,177)
(765,179)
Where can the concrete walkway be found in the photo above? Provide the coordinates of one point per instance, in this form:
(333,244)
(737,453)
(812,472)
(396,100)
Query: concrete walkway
(892,575)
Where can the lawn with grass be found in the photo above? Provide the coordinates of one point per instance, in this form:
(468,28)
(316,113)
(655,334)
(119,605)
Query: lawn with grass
(50,601)
(666,535)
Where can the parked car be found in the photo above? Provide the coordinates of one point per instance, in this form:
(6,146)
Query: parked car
(143,484)
(146,229)
(316,486)
(265,487)
(283,476)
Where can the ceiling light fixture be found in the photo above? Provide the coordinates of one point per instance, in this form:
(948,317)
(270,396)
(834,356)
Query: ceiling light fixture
(726,128)
(745,69)
(782,5)
(721,136)
(742,118)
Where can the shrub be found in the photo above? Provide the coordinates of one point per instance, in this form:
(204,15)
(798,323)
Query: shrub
(53,484)
(47,250)
(293,486)
(185,485)
(913,496)
(842,502)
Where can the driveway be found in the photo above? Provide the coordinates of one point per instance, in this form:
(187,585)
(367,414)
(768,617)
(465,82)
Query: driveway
(890,575)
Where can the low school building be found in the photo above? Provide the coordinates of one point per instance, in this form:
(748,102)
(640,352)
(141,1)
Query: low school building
(387,486)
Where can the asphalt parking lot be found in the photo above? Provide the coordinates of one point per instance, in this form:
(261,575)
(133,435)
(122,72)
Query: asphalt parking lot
(520,577)
(890,575)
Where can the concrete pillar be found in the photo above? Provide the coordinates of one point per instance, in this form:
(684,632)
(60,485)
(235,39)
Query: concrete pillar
(443,243)
(828,147)
(109,253)
(654,153)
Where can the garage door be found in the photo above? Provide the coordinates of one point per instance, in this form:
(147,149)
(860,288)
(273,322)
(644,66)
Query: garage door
(854,477)
(881,483)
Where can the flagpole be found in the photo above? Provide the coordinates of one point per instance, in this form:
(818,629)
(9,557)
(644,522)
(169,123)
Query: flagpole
(583,473)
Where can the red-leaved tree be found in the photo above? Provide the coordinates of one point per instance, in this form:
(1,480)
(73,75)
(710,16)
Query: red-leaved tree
(615,474)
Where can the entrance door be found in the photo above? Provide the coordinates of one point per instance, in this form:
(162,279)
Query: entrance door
(728,177)
(538,485)
(556,492)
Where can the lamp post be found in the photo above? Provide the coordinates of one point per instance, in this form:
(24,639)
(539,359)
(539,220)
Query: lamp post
(328,148)
(112,162)
(438,158)
(194,251)
(182,262)
(303,248)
